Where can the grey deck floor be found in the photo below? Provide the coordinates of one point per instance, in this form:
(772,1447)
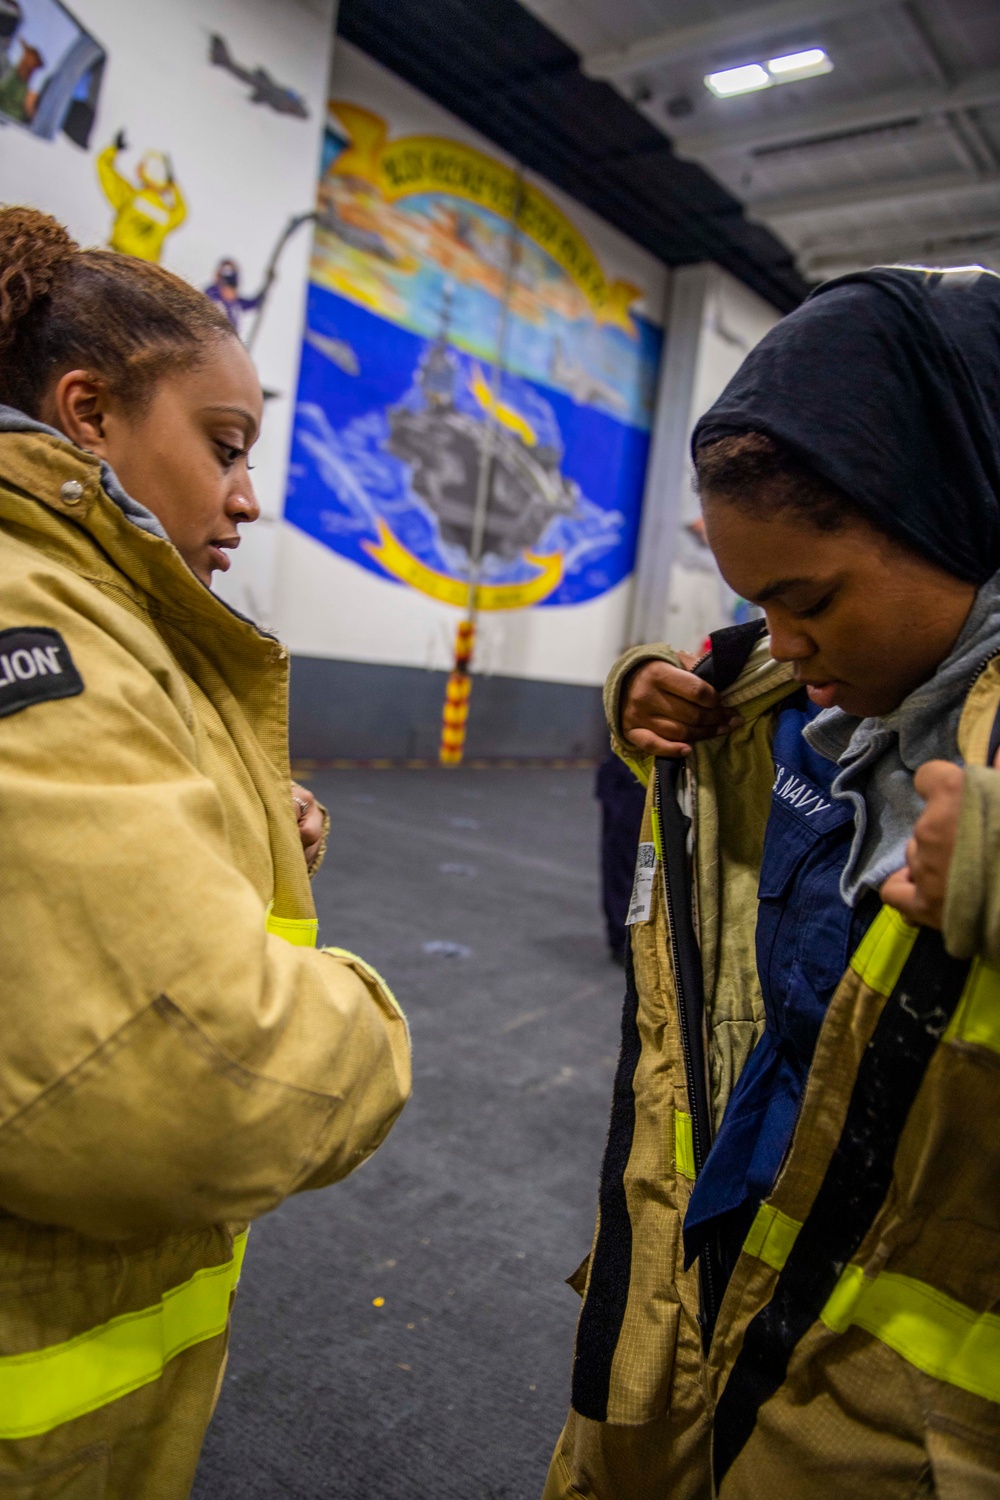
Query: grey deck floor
(481,1201)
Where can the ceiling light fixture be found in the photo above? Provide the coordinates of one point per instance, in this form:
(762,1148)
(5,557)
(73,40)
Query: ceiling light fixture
(743,80)
(751,77)
(795,65)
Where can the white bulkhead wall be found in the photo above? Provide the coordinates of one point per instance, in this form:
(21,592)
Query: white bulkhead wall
(244,169)
(714,321)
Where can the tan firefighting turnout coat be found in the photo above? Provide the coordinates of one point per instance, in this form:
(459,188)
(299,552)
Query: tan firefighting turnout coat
(856,1351)
(170,1067)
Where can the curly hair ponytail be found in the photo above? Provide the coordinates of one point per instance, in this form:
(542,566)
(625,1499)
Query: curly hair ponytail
(61,307)
(34,249)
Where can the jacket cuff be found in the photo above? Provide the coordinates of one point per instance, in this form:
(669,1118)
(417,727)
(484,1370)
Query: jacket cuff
(640,765)
(971,925)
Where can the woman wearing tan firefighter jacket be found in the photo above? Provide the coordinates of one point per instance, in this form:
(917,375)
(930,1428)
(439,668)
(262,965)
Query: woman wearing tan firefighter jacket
(177,1057)
(794,1287)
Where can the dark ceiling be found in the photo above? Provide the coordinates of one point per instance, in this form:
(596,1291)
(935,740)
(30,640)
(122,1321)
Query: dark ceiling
(491,63)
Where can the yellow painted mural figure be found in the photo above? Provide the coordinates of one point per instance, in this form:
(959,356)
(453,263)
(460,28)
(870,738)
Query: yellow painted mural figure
(145,212)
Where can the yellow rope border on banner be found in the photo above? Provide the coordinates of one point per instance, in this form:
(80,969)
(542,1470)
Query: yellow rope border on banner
(401,564)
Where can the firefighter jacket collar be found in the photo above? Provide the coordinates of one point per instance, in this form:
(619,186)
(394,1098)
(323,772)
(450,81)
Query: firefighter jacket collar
(12,420)
(82,488)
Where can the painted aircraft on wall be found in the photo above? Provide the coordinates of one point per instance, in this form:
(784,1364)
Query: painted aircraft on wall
(264,89)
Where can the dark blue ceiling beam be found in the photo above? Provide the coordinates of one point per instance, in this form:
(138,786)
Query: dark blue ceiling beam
(498,68)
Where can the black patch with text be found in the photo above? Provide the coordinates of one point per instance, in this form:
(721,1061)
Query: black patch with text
(35,665)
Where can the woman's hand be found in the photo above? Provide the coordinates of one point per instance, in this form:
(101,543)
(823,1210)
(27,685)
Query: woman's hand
(918,890)
(310,817)
(665,709)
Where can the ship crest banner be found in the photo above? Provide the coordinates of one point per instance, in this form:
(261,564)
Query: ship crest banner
(433,164)
(397,392)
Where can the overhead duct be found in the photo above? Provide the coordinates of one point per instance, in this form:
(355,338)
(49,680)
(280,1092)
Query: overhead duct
(834,140)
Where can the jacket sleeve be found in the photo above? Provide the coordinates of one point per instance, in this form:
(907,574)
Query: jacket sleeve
(178,209)
(972,900)
(640,765)
(166,1061)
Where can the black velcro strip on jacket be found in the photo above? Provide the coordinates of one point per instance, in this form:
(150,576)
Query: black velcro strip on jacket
(731,648)
(852,1192)
(35,665)
(603,1311)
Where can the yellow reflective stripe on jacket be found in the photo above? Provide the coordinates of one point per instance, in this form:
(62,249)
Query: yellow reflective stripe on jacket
(43,1389)
(936,1334)
(684,1144)
(977,1018)
(931,1331)
(879,957)
(772,1235)
(303,932)
(657,835)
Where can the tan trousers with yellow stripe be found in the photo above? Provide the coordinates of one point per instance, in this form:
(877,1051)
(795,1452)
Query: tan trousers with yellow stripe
(144,1446)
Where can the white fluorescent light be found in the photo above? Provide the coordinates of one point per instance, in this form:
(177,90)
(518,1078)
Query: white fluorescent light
(799,65)
(738,80)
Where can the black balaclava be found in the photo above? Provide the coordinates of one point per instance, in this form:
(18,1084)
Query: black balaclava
(886,383)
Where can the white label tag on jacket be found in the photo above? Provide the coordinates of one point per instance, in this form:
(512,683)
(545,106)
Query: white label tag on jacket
(642,887)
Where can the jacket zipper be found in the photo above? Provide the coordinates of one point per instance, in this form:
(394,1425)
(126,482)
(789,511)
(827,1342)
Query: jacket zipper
(679,987)
(993,745)
(700,1128)
(982,668)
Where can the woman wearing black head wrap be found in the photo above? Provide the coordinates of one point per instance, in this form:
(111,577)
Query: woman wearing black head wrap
(886,384)
(843,1171)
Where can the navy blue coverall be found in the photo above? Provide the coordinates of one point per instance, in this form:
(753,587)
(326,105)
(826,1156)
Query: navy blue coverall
(805,937)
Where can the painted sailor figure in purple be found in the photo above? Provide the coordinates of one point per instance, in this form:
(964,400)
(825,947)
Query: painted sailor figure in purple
(225,291)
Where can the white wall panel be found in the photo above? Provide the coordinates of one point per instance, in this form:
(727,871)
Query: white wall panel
(244,170)
(714,323)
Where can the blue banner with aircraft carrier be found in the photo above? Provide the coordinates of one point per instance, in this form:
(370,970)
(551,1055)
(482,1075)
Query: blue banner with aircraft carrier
(399,407)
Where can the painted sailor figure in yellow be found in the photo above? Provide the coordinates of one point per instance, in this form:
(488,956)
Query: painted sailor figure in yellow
(145,213)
